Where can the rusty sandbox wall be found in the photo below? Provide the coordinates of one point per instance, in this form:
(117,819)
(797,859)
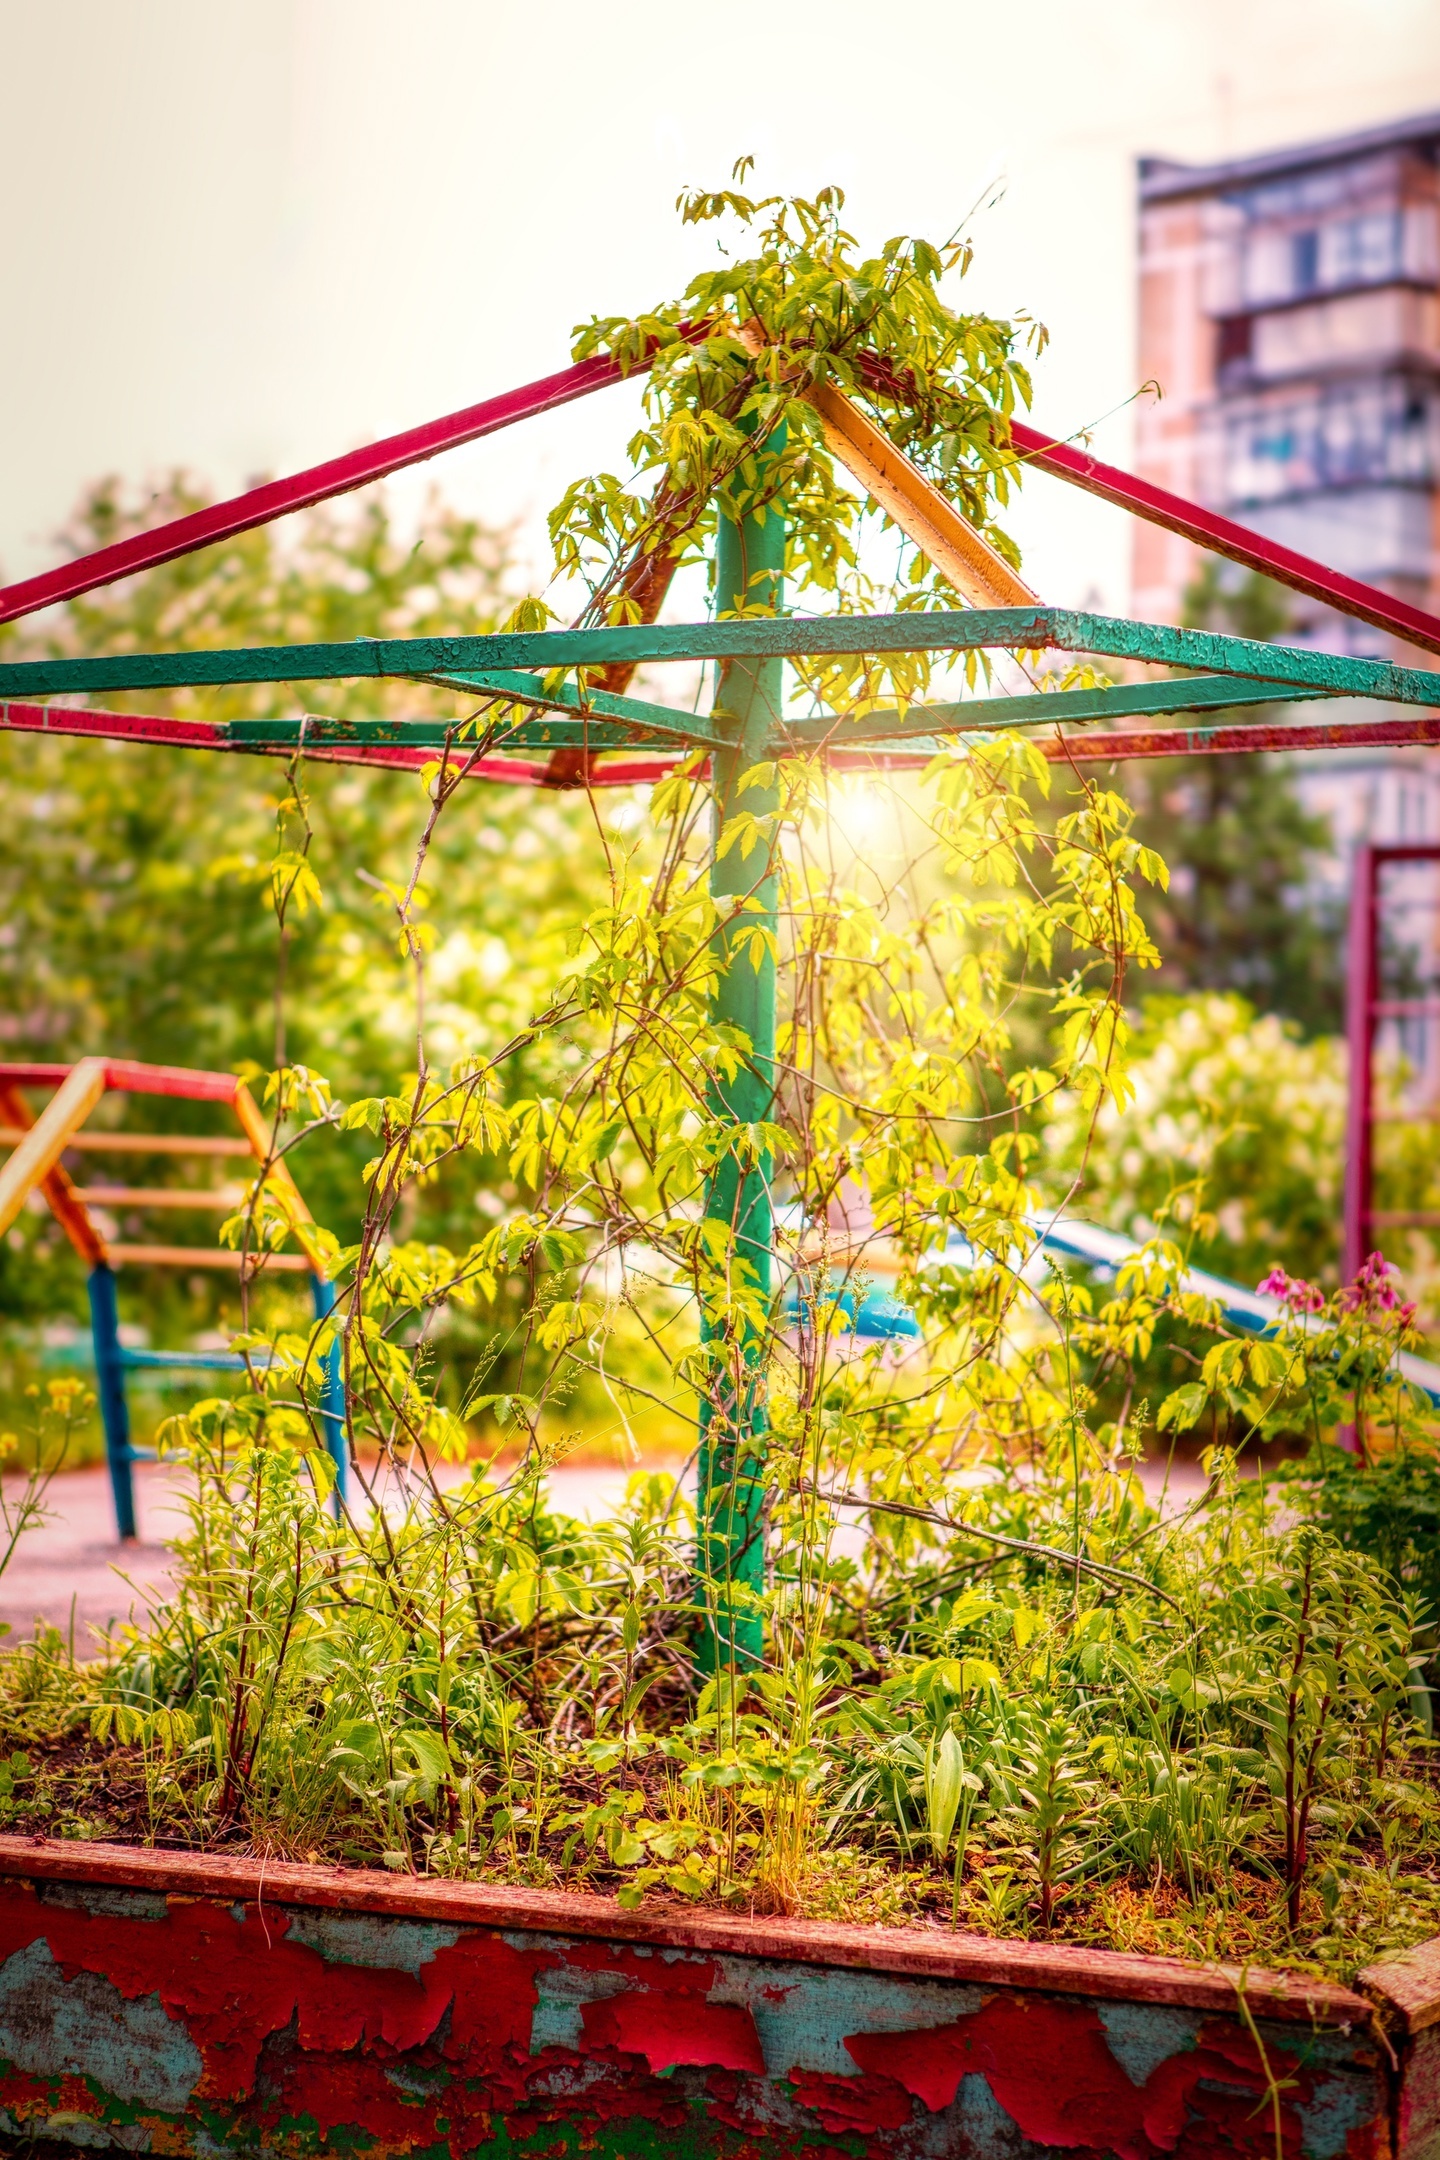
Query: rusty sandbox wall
(195,2006)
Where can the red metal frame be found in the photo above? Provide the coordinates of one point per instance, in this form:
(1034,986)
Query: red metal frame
(1089,748)
(128,1076)
(277,498)
(1363,1009)
(20,718)
(1096,748)
(1222,536)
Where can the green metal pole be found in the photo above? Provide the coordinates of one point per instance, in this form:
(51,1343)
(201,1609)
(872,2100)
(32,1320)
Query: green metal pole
(749,565)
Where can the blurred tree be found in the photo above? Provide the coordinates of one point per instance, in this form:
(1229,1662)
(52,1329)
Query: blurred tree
(135,912)
(1231,1144)
(1244,910)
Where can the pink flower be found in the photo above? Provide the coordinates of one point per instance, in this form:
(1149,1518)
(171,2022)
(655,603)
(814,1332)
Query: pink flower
(1372,1291)
(1292,1290)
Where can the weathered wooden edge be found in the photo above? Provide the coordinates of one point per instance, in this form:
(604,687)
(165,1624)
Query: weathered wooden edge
(1407,1986)
(1063,1968)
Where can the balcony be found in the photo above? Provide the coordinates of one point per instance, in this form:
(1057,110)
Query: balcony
(1398,323)
(1264,262)
(1377,430)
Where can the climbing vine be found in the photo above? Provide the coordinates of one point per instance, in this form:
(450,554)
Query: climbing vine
(988,1660)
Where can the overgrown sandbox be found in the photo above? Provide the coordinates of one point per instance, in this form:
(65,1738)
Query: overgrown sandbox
(189,2004)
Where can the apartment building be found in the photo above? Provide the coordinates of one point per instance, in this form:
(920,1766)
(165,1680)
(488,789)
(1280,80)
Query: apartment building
(1290,313)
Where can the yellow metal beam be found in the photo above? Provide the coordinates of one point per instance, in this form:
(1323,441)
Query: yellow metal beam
(973,567)
(129,1143)
(923,514)
(38,1153)
(278,1177)
(223,1197)
(67,1204)
(209,1256)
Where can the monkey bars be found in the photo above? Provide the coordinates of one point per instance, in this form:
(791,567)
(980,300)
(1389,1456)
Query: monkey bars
(36,1164)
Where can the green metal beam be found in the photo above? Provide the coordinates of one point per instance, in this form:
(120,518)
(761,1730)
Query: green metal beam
(1192,693)
(1019,629)
(1207,651)
(539,731)
(663,721)
(562,726)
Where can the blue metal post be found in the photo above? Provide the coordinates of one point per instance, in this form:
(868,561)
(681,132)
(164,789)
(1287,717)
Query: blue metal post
(332,1396)
(110,1386)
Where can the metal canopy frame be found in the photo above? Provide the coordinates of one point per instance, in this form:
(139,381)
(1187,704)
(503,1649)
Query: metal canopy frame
(525,672)
(519,666)
(532,704)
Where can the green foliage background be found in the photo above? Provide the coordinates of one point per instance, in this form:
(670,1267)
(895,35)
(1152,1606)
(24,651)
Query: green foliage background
(135,912)
(1244,909)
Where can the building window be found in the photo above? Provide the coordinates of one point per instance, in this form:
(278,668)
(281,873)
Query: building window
(1359,250)
(1233,347)
(1304,262)
(1279,260)
(1343,435)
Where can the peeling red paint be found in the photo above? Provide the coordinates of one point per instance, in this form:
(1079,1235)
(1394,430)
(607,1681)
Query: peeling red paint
(1050,2067)
(306,2051)
(231,1982)
(670,2029)
(867,2104)
(664,2015)
(690,1975)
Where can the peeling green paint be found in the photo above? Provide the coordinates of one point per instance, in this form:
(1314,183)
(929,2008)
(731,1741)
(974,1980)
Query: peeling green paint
(779,637)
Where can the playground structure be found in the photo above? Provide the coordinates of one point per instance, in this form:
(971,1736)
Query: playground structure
(1368,1011)
(594,737)
(36,1165)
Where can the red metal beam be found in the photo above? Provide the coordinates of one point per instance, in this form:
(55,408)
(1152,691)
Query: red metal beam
(1363,1009)
(1222,536)
(19,718)
(24,719)
(1083,749)
(277,498)
(1221,741)
(1106,749)
(130,1077)
(33,1075)
(1360,1033)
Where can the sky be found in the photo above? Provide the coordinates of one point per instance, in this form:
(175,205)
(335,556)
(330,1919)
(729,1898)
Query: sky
(246,235)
